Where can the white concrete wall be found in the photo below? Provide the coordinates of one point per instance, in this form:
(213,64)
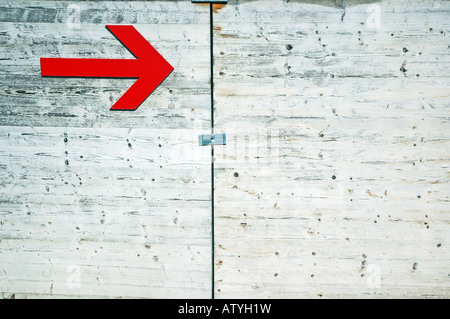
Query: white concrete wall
(334,182)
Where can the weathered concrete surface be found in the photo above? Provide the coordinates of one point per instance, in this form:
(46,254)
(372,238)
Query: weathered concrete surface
(334,182)
(349,195)
(96,203)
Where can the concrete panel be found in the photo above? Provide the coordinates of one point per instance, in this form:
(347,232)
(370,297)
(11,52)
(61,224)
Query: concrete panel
(335,179)
(96,203)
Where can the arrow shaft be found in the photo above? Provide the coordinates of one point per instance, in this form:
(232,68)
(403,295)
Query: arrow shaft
(98,68)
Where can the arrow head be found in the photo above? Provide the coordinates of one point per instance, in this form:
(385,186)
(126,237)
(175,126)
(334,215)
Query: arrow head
(153,68)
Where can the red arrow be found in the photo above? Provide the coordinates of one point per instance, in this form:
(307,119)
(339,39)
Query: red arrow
(149,67)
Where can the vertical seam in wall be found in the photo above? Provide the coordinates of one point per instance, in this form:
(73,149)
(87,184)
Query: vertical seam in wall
(211,22)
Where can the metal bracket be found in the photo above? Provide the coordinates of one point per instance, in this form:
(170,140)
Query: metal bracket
(215,139)
(210,1)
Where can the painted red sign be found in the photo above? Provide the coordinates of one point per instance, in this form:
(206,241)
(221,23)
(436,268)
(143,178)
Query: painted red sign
(149,67)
